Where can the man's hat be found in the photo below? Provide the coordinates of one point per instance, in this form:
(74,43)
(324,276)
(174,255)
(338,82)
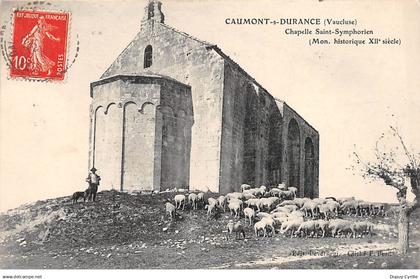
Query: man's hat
(93,169)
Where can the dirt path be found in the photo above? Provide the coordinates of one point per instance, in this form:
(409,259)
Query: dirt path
(299,256)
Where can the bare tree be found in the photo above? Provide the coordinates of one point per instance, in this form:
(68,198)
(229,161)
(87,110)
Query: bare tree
(393,171)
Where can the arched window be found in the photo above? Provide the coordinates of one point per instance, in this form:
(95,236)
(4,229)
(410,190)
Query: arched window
(148,56)
(309,169)
(293,151)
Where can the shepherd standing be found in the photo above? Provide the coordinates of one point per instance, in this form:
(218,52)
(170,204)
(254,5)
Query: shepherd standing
(93,180)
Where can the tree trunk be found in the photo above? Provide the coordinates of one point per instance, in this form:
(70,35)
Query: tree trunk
(403,230)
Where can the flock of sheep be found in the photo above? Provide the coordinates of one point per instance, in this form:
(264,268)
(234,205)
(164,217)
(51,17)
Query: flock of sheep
(280,210)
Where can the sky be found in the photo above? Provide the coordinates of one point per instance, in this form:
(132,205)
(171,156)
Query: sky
(349,94)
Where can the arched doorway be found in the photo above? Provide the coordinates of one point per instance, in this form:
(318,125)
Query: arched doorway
(250,137)
(309,168)
(293,151)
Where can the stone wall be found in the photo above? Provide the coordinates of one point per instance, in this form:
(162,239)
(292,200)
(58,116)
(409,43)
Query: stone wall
(177,122)
(251,137)
(264,141)
(106,138)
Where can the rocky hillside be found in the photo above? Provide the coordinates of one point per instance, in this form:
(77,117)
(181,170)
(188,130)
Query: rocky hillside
(123,230)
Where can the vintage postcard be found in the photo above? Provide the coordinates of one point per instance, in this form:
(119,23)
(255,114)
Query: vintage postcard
(157,134)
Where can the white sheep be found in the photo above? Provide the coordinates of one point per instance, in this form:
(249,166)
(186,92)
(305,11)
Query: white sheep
(322,225)
(263,224)
(310,208)
(248,196)
(249,191)
(288,202)
(241,203)
(279,221)
(200,197)
(170,209)
(325,210)
(282,209)
(304,200)
(270,202)
(291,207)
(236,228)
(294,191)
(234,195)
(270,223)
(348,206)
(300,201)
(234,207)
(339,226)
(364,208)
(378,209)
(307,227)
(249,213)
(254,202)
(275,192)
(258,226)
(212,201)
(291,226)
(245,187)
(279,214)
(282,186)
(210,207)
(392,211)
(180,199)
(265,203)
(361,228)
(335,206)
(261,215)
(320,200)
(192,199)
(287,195)
(296,214)
(221,202)
(257,192)
(342,200)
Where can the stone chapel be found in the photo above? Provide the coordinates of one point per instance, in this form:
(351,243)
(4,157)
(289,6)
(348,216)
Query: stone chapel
(175,111)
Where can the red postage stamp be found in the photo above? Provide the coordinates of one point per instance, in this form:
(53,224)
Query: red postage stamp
(39,44)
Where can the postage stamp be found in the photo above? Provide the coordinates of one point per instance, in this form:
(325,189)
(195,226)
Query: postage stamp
(39,44)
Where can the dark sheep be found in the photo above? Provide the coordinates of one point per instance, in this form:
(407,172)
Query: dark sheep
(236,228)
(77,195)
